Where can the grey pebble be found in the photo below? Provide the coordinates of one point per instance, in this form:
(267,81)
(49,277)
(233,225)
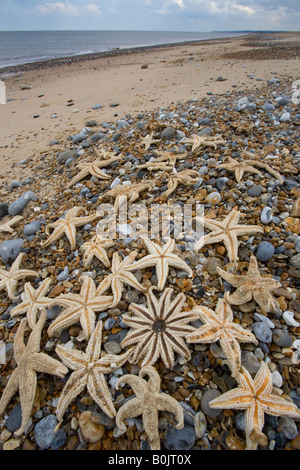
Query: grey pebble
(208,396)
(15,184)
(255,190)
(288,427)
(32,228)
(168,133)
(63,275)
(112,347)
(10,249)
(282,338)
(266,215)
(14,419)
(17,206)
(180,439)
(265,251)
(63,157)
(262,332)
(44,432)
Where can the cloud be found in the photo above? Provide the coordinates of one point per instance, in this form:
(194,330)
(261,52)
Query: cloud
(67,8)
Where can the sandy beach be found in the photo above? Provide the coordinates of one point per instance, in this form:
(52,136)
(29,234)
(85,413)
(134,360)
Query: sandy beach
(89,307)
(62,96)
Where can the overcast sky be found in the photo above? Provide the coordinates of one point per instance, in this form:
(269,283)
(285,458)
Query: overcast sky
(160,15)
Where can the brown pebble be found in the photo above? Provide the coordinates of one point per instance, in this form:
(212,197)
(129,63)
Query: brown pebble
(91,431)
(72,442)
(234,443)
(295,444)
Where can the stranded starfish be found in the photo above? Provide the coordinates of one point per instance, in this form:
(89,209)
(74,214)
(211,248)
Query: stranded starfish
(239,168)
(96,247)
(162,257)
(9,279)
(29,361)
(120,275)
(148,401)
(252,285)
(227,232)
(159,329)
(80,307)
(93,168)
(7,227)
(32,301)
(67,224)
(263,165)
(89,369)
(123,193)
(148,141)
(255,396)
(219,326)
(185,177)
(198,142)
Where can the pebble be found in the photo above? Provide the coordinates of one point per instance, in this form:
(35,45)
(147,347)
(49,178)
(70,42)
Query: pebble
(32,228)
(282,338)
(262,332)
(208,396)
(265,251)
(64,274)
(91,430)
(14,419)
(255,190)
(10,249)
(288,426)
(180,439)
(288,317)
(44,431)
(112,347)
(17,207)
(285,117)
(168,133)
(200,424)
(266,215)
(276,379)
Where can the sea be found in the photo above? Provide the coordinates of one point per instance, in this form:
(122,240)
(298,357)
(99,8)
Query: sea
(21,47)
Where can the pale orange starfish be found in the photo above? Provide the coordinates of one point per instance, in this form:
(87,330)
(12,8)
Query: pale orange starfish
(255,396)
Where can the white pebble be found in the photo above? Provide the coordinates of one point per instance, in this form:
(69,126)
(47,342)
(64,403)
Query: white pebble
(288,317)
(276,379)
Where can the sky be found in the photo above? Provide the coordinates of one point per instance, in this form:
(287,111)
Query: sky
(157,15)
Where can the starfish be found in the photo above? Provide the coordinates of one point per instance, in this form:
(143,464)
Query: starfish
(159,329)
(148,401)
(7,227)
(80,307)
(157,165)
(252,285)
(93,168)
(89,369)
(148,141)
(9,279)
(188,177)
(162,257)
(227,232)
(255,396)
(102,154)
(29,361)
(219,326)
(123,193)
(198,142)
(263,165)
(67,225)
(239,168)
(170,157)
(32,301)
(120,275)
(96,247)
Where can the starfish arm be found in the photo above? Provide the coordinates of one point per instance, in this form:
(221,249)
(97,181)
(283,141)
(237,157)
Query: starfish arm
(135,322)
(11,285)
(205,334)
(153,351)
(238,398)
(57,233)
(166,352)
(162,271)
(136,383)
(168,403)
(111,362)
(232,350)
(19,345)
(174,260)
(66,318)
(242,335)
(143,338)
(150,422)
(97,173)
(266,300)
(43,363)
(78,221)
(142,312)
(9,391)
(231,244)
(247,229)
(33,344)
(206,315)
(172,186)
(233,279)
(27,388)
(278,406)
(263,383)
(130,409)
(74,386)
(145,262)
(87,321)
(130,279)
(93,349)
(73,358)
(153,384)
(178,345)
(239,173)
(241,296)
(70,232)
(208,239)
(254,421)
(98,389)
(82,174)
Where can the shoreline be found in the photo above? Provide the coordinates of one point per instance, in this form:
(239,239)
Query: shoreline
(65,60)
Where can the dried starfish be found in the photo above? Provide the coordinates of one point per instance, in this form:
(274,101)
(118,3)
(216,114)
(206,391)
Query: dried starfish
(7,227)
(252,285)
(162,257)
(170,157)
(29,361)
(198,142)
(33,300)
(159,329)
(93,168)
(67,224)
(96,247)
(89,369)
(9,279)
(120,275)
(103,154)
(239,168)
(227,232)
(148,401)
(219,326)
(263,165)
(123,193)
(157,165)
(80,307)
(186,177)
(255,396)
(148,141)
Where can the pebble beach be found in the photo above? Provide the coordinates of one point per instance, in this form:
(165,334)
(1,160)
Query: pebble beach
(59,115)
